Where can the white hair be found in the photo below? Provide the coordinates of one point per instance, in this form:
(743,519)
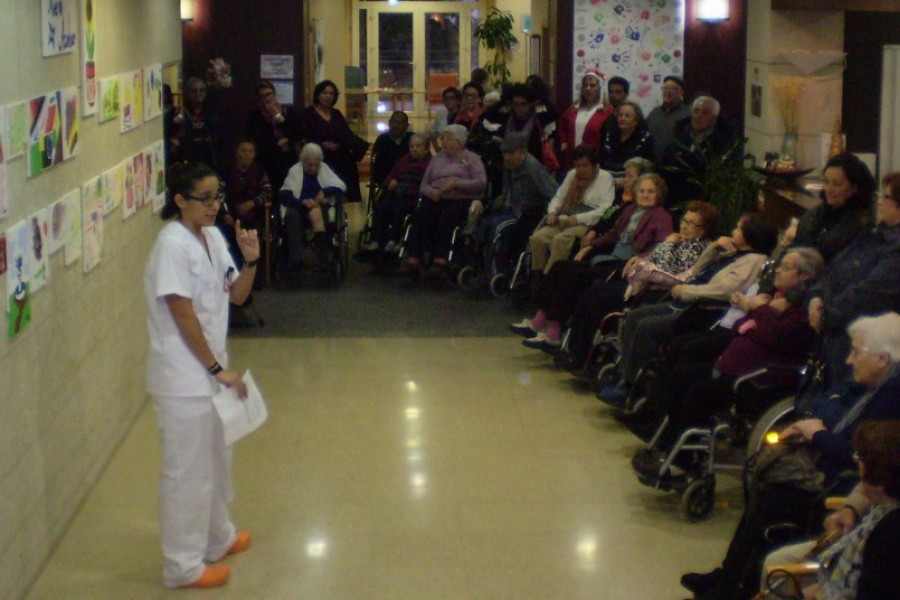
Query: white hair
(418,137)
(881,334)
(716,107)
(459,133)
(311,150)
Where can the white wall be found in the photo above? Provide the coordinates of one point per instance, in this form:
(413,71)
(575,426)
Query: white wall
(72,382)
(769,34)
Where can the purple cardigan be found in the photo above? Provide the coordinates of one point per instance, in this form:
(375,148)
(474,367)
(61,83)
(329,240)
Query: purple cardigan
(654,227)
(466,169)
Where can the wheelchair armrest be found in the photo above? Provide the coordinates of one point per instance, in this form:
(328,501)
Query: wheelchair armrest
(754,379)
(610,318)
(834,503)
(796,569)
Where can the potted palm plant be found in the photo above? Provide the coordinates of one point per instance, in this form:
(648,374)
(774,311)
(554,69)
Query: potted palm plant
(495,33)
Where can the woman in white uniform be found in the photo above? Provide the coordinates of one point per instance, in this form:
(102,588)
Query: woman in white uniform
(188,282)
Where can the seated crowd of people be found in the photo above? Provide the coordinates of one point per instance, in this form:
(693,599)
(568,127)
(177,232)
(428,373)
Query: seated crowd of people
(607,228)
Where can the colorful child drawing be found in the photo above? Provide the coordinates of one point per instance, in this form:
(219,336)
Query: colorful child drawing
(109,99)
(18,291)
(92,231)
(17,122)
(68,102)
(137,83)
(40,266)
(152,92)
(44,134)
(73,226)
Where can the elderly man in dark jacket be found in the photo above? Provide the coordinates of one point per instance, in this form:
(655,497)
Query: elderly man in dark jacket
(527,189)
(698,139)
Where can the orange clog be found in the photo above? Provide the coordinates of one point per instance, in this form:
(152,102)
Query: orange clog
(211,577)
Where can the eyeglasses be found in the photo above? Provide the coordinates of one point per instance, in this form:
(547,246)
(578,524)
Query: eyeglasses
(208,202)
(856,351)
(687,221)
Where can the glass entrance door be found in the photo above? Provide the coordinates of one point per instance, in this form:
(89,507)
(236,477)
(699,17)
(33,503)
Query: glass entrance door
(410,51)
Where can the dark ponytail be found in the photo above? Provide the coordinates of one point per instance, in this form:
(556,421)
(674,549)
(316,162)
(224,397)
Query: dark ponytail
(181,179)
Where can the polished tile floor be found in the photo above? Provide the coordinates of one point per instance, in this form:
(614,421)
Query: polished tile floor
(408,468)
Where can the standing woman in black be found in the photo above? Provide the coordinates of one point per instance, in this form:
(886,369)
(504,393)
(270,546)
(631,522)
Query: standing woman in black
(326,126)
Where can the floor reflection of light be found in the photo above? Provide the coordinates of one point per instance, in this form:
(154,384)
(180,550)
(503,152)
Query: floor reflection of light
(414,455)
(411,386)
(316,548)
(419,484)
(412,413)
(413,442)
(586,550)
(525,378)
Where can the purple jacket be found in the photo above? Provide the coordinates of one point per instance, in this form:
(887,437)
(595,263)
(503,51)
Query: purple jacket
(654,227)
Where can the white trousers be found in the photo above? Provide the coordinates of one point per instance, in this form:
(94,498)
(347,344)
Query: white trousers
(194,488)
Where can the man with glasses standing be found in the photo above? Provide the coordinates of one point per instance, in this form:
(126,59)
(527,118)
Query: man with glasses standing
(275,128)
(662,119)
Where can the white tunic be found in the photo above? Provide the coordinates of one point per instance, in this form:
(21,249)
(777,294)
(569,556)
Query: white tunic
(180,265)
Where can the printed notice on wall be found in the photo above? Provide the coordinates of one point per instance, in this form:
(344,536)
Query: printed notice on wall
(276,66)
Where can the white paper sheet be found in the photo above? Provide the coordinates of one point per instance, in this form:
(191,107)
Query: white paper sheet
(240,417)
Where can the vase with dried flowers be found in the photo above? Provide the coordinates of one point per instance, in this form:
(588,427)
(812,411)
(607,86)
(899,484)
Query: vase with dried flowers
(787,91)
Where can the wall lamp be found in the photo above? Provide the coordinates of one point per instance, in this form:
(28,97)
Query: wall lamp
(712,11)
(187,10)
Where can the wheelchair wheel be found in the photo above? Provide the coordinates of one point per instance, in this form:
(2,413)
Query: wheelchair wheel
(466,278)
(780,415)
(698,498)
(500,285)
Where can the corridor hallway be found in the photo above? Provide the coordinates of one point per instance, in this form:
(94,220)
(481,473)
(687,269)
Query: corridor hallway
(421,463)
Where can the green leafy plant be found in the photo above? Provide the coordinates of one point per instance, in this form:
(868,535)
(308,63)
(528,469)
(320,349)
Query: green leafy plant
(495,33)
(722,179)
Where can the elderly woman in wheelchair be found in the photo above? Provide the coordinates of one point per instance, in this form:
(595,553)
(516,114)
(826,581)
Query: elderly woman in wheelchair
(775,332)
(310,193)
(856,556)
(785,480)
(454,179)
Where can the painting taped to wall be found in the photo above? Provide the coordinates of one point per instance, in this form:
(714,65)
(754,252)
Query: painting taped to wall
(71,121)
(152,92)
(155,167)
(56,219)
(91,228)
(109,98)
(90,102)
(18,284)
(129,201)
(73,232)
(17,129)
(40,266)
(44,134)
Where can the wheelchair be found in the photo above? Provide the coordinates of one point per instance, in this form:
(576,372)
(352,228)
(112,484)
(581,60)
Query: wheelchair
(374,192)
(337,238)
(743,427)
(498,272)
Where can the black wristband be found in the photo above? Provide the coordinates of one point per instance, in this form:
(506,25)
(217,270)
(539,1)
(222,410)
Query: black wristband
(215,369)
(251,263)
